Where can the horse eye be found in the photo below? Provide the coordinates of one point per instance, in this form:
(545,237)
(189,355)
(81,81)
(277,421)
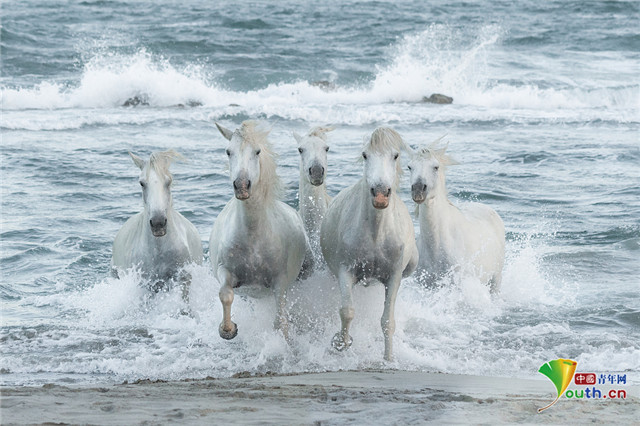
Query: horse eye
(258,151)
(327,149)
(142,184)
(436,168)
(300,150)
(395,157)
(228,152)
(409,167)
(364,155)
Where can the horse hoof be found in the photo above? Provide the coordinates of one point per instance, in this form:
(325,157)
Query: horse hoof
(339,344)
(228,335)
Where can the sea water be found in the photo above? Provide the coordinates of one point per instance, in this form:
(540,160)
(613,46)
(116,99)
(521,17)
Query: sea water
(545,122)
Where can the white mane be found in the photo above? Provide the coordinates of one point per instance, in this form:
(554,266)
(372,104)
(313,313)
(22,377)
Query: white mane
(385,139)
(160,162)
(439,153)
(320,132)
(251,134)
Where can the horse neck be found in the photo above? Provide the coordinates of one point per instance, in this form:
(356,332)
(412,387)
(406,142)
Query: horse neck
(436,213)
(254,210)
(313,199)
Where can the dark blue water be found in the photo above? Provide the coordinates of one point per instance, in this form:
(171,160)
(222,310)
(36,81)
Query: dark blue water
(545,121)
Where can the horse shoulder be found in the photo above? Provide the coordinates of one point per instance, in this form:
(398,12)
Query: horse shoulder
(127,242)
(191,237)
(220,233)
(290,218)
(221,223)
(129,232)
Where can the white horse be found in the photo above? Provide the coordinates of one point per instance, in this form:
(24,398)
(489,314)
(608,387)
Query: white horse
(256,239)
(469,238)
(367,234)
(313,196)
(158,240)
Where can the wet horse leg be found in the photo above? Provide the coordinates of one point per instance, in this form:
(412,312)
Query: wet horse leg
(342,340)
(228,329)
(281,322)
(388,320)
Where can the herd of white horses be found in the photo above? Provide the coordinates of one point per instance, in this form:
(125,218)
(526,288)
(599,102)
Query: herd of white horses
(365,234)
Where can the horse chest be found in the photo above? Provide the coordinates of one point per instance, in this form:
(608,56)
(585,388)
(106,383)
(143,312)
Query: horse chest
(252,262)
(376,258)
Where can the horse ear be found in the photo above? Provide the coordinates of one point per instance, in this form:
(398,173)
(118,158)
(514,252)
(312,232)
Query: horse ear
(297,137)
(228,134)
(139,161)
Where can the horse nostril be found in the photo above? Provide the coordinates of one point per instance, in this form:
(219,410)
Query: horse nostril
(248,184)
(388,192)
(424,187)
(373,192)
(158,222)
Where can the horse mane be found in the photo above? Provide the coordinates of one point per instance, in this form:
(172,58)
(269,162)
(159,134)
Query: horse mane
(320,132)
(251,133)
(160,162)
(385,139)
(438,152)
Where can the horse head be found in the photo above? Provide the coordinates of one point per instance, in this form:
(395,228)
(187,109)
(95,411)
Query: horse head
(251,160)
(427,167)
(155,181)
(382,168)
(313,150)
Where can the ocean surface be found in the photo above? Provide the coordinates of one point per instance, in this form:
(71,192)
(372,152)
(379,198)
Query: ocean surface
(545,123)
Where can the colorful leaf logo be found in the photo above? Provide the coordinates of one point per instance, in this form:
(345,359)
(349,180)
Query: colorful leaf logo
(560,372)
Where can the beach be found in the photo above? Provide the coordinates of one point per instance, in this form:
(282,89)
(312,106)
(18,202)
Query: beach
(344,397)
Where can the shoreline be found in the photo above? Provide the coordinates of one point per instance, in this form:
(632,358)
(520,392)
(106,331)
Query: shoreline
(343,397)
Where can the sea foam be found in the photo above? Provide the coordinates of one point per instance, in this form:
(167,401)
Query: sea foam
(435,60)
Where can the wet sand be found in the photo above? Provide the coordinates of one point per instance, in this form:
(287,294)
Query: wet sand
(346,397)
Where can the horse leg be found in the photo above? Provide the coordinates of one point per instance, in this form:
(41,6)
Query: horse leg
(185,283)
(495,282)
(184,279)
(388,320)
(308,264)
(228,329)
(281,323)
(342,340)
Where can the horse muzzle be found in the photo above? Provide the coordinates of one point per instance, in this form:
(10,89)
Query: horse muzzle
(419,192)
(316,175)
(158,226)
(242,189)
(380,196)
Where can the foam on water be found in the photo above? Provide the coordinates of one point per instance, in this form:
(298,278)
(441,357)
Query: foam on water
(115,330)
(438,59)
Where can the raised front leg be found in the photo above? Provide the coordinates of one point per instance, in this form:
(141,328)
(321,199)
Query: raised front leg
(342,340)
(281,322)
(388,320)
(228,329)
